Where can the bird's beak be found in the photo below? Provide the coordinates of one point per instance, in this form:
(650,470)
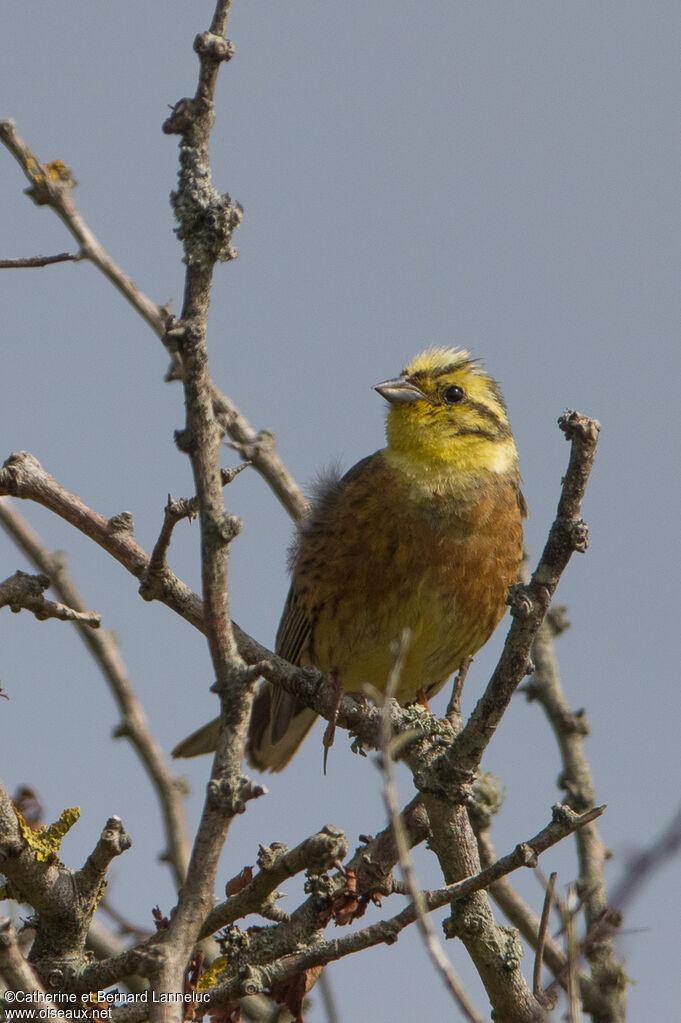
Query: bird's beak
(399,390)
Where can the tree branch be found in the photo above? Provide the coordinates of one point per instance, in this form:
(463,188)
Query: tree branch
(530,603)
(102,645)
(23,262)
(320,852)
(52,185)
(570,730)
(265,963)
(433,946)
(63,899)
(206,223)
(26,591)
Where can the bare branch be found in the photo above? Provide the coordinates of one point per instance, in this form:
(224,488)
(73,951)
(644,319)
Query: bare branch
(265,965)
(26,591)
(24,262)
(51,185)
(113,841)
(64,899)
(543,930)
(433,946)
(530,603)
(517,911)
(134,726)
(259,448)
(570,730)
(321,851)
(206,224)
(174,512)
(453,712)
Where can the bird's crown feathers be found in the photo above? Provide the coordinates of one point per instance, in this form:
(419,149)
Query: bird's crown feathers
(439,360)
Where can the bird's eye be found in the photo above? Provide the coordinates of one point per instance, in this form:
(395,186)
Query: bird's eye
(454,395)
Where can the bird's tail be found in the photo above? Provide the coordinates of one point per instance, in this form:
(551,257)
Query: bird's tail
(203,740)
(279,723)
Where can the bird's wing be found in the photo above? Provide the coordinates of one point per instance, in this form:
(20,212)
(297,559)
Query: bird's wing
(295,630)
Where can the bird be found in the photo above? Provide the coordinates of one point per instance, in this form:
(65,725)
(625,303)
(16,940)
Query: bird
(424,535)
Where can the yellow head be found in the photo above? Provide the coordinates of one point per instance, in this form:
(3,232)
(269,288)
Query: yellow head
(447,419)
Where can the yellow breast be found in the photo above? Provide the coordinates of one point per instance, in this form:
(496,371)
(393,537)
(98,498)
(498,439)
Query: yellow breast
(379,556)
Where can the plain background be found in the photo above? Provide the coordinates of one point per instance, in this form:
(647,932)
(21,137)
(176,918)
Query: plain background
(493,175)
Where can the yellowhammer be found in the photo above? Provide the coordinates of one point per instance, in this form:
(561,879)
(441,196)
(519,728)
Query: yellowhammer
(424,535)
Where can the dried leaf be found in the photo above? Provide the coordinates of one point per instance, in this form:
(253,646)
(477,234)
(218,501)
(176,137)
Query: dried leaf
(238,883)
(346,905)
(291,992)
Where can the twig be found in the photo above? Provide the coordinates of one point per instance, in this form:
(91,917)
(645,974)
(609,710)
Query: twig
(174,512)
(259,978)
(134,726)
(113,841)
(573,951)
(543,930)
(321,851)
(26,591)
(207,221)
(51,185)
(453,712)
(259,448)
(570,730)
(23,262)
(64,899)
(517,911)
(433,946)
(530,603)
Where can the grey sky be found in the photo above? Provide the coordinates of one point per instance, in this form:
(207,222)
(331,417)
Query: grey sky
(500,176)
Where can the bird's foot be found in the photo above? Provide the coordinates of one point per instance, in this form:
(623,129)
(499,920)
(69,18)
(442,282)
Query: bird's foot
(330,733)
(421,698)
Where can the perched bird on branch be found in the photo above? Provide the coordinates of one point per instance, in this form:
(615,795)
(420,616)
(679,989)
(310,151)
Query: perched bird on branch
(423,535)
